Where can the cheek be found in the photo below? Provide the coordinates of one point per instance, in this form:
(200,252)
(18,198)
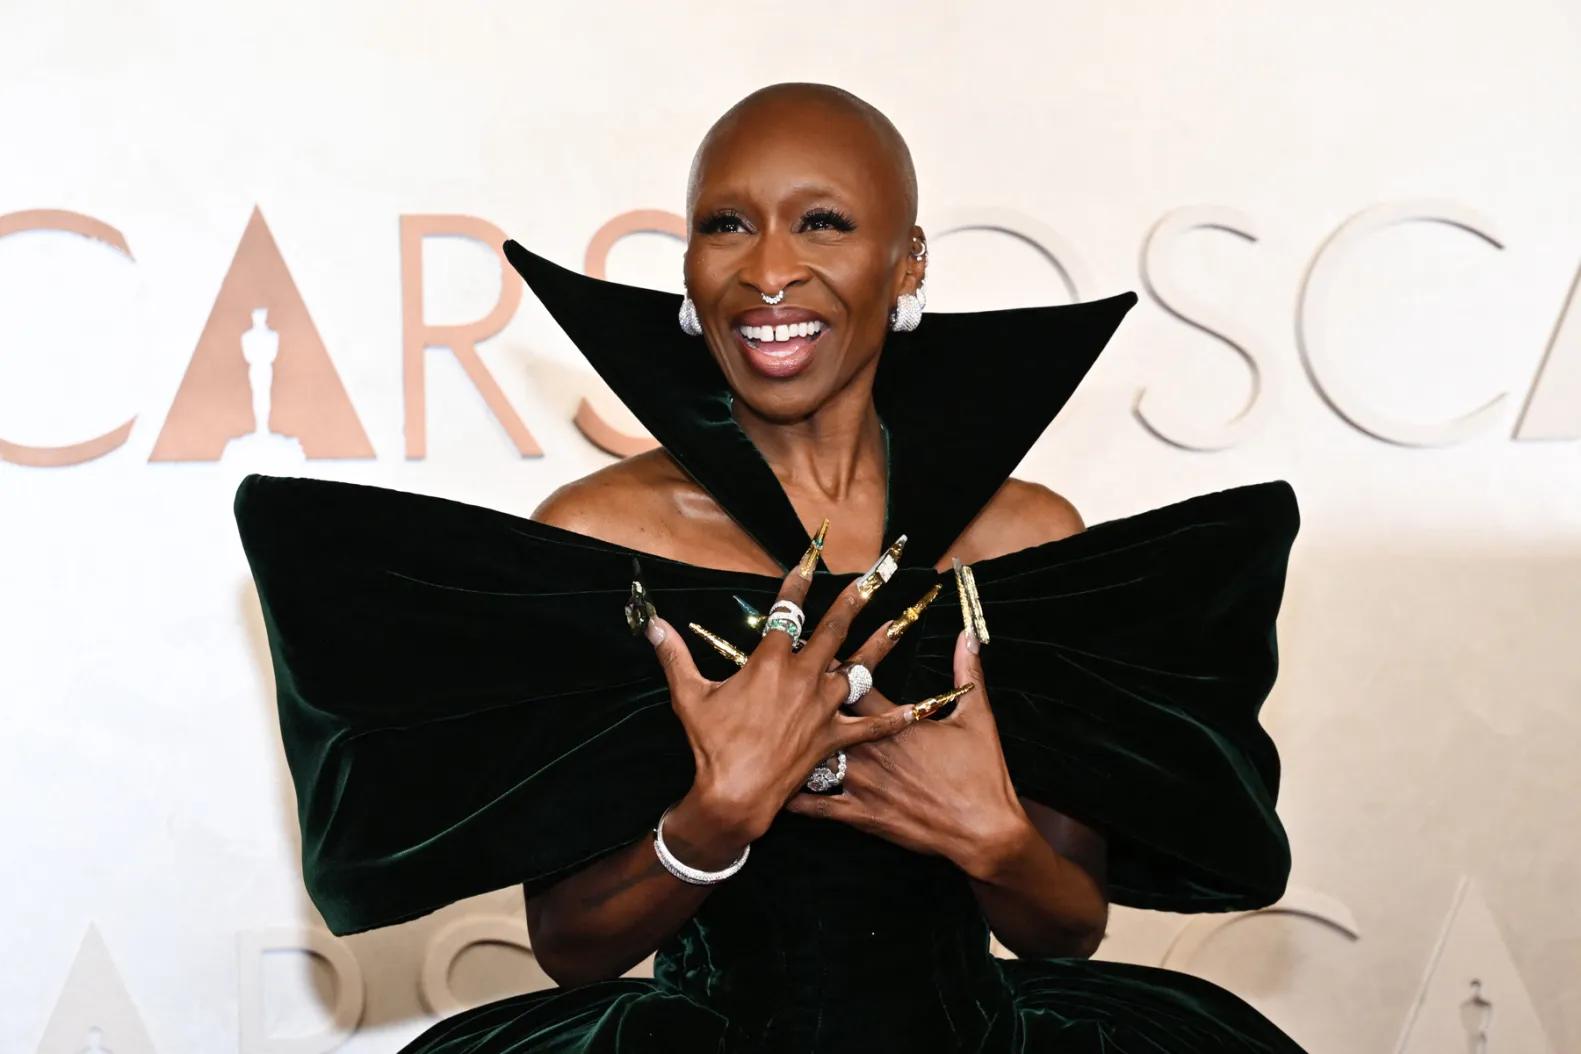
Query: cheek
(706,277)
(863,290)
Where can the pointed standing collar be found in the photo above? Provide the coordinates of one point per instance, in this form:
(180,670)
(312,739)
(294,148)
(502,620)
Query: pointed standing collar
(963,397)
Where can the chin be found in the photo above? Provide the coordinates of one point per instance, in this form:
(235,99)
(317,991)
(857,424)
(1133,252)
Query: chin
(783,402)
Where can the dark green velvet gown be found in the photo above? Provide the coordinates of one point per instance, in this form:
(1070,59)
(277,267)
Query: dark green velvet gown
(463,709)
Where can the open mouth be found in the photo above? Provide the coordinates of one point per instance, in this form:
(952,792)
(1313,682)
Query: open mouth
(784,334)
(781,349)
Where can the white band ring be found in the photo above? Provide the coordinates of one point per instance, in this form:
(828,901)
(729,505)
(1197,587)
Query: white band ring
(787,617)
(788,607)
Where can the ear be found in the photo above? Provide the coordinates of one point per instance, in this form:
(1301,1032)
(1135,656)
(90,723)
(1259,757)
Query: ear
(916,267)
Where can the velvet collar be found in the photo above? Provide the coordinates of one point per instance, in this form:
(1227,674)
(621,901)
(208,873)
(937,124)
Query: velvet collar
(963,397)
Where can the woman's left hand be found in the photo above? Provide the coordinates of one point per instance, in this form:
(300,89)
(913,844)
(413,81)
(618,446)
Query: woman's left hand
(939,787)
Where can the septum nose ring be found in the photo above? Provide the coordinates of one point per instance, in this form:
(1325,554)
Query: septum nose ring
(776,298)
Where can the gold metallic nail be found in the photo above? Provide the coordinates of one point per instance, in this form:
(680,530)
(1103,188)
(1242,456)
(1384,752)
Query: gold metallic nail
(809,559)
(722,646)
(926,708)
(887,564)
(906,618)
(971,604)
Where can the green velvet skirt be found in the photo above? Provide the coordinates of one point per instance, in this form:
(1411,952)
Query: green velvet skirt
(832,941)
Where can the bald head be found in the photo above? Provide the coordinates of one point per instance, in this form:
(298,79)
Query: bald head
(796,101)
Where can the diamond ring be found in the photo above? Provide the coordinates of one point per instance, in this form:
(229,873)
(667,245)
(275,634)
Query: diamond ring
(824,778)
(861,681)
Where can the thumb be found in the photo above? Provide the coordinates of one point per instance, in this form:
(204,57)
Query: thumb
(968,662)
(674,657)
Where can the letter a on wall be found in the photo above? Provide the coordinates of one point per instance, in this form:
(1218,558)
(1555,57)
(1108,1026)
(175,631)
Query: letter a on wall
(260,354)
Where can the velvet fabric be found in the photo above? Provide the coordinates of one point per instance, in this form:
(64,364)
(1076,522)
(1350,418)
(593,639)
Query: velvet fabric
(463,709)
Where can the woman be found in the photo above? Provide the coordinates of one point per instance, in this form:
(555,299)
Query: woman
(901,783)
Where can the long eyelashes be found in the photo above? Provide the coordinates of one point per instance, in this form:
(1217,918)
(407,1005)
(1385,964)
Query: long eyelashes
(834,218)
(724,221)
(729,221)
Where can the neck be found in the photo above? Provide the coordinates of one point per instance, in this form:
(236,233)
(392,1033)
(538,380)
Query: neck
(828,457)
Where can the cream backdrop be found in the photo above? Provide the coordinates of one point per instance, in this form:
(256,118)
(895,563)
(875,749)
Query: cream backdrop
(1374,208)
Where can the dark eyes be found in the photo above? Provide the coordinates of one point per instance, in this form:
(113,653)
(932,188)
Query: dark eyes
(728,221)
(827,219)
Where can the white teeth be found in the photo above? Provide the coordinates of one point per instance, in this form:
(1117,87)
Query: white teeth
(786,331)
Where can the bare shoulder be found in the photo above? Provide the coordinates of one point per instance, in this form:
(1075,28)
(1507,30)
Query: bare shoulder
(631,502)
(1021,514)
(1047,514)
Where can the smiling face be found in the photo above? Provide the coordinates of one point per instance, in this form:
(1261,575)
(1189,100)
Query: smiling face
(805,190)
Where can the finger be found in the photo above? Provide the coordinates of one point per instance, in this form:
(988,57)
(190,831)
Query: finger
(836,622)
(674,658)
(874,702)
(884,638)
(879,644)
(820,806)
(968,662)
(794,588)
(850,731)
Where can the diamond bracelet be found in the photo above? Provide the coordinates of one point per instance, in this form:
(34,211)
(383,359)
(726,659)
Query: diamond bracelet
(696,876)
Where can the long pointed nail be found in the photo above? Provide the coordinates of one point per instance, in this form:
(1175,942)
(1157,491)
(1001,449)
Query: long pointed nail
(722,646)
(809,559)
(639,609)
(971,604)
(934,703)
(754,616)
(907,618)
(882,570)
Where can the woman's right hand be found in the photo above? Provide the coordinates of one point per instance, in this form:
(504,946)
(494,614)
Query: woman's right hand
(756,735)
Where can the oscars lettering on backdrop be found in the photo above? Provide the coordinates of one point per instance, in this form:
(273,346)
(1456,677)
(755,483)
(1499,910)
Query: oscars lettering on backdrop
(313,406)
(260,346)
(305,398)
(96,1042)
(1476,1013)
(94,1007)
(1471,950)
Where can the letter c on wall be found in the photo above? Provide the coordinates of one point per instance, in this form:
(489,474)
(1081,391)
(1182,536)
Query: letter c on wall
(97,230)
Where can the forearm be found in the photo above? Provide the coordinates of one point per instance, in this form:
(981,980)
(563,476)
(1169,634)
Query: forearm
(603,920)
(1038,902)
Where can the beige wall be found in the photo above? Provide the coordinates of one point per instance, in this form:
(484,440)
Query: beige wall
(1251,167)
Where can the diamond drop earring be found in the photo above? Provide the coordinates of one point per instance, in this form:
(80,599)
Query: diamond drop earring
(690,325)
(907,312)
